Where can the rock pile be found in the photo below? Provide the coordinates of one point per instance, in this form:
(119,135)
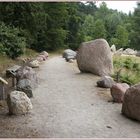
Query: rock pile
(125,52)
(26,80)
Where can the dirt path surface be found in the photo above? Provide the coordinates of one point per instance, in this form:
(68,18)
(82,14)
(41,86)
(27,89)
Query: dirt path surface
(67,104)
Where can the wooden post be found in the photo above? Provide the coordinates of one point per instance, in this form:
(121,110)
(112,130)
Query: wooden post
(11,73)
(2,88)
(14,82)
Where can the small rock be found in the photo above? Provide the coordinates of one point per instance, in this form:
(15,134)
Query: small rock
(71,61)
(118,90)
(129,51)
(105,82)
(69,54)
(18,103)
(41,58)
(27,73)
(33,64)
(25,86)
(113,48)
(45,54)
(109,127)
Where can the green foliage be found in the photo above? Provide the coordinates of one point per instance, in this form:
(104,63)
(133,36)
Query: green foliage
(135,30)
(88,27)
(130,69)
(12,42)
(75,34)
(56,25)
(121,37)
(52,26)
(99,31)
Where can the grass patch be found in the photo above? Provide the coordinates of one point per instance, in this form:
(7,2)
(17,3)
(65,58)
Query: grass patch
(6,62)
(129,68)
(29,53)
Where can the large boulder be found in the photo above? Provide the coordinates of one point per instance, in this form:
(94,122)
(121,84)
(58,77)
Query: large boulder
(95,57)
(105,82)
(18,103)
(25,85)
(26,72)
(69,54)
(131,103)
(118,90)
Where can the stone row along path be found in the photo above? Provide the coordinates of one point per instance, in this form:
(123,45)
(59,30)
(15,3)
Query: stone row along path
(67,104)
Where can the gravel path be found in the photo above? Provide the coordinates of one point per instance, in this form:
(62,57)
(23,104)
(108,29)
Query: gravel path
(67,104)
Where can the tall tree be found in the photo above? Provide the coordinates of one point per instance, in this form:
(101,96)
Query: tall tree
(88,28)
(135,32)
(121,37)
(56,24)
(75,36)
(99,31)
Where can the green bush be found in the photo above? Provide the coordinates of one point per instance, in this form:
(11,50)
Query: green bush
(12,42)
(128,63)
(130,69)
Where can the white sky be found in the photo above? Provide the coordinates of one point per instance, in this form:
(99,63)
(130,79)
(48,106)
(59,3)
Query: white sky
(124,6)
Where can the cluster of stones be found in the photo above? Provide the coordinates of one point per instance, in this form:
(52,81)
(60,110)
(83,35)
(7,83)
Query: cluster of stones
(34,63)
(126,52)
(96,57)
(18,101)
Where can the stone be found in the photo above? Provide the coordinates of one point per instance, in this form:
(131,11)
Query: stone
(26,72)
(131,103)
(113,48)
(18,103)
(119,52)
(25,86)
(11,72)
(69,54)
(40,59)
(71,61)
(117,91)
(45,54)
(95,57)
(33,64)
(105,82)
(129,51)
